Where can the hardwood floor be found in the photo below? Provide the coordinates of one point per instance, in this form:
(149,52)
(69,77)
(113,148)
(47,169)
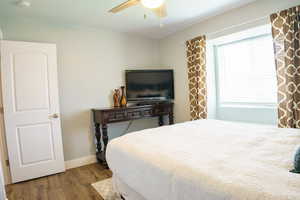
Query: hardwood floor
(74,184)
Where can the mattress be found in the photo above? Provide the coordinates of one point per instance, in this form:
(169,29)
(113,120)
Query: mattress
(209,160)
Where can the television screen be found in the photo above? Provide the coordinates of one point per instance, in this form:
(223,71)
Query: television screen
(149,85)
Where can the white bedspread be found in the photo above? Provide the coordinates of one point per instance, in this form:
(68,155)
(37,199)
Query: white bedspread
(208,160)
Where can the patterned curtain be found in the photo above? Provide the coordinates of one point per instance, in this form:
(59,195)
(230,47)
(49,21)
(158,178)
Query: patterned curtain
(196,60)
(286,36)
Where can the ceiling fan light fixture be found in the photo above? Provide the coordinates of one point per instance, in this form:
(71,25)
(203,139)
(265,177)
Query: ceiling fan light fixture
(152,3)
(23,4)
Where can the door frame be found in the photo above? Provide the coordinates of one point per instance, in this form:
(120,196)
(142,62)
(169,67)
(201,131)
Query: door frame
(3,146)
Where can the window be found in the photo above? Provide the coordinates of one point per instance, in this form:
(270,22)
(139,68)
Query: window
(246,71)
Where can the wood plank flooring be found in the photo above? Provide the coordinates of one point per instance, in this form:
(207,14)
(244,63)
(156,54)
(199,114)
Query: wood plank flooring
(74,184)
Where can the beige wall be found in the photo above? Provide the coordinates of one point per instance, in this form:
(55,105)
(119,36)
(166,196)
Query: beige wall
(172,48)
(91,62)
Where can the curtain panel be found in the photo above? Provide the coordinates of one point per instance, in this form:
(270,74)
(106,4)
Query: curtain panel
(196,62)
(286,37)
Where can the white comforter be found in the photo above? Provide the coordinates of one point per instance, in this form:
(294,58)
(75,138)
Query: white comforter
(208,160)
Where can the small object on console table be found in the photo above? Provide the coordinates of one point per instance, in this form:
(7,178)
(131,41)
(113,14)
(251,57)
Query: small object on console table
(116,98)
(123,101)
(103,117)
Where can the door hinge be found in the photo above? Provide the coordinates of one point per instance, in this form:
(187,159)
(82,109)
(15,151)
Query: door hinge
(7,162)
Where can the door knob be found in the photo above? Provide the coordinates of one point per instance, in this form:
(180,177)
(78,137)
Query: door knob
(55,116)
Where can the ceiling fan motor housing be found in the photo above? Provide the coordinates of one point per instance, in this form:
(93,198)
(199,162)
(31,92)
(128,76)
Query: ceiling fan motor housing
(152,3)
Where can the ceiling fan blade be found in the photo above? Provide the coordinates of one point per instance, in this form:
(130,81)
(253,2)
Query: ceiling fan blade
(161,11)
(124,5)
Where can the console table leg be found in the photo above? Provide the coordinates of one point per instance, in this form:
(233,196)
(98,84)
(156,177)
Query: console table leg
(160,120)
(98,140)
(171,118)
(105,141)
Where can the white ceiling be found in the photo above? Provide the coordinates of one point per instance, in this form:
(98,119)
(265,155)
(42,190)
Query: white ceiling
(93,13)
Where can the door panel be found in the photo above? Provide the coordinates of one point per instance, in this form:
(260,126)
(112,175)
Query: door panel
(30,100)
(34,79)
(43,141)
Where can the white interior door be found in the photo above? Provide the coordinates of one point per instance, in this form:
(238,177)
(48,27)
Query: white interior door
(31,109)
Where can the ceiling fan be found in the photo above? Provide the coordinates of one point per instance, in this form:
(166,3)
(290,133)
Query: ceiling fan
(157,6)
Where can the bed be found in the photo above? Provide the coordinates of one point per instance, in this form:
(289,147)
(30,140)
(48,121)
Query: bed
(206,160)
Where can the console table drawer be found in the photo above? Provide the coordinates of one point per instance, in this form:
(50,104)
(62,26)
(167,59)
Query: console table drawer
(148,113)
(120,115)
(115,116)
(134,114)
(139,113)
(130,114)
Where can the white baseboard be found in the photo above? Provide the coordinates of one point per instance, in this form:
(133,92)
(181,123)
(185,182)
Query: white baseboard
(80,162)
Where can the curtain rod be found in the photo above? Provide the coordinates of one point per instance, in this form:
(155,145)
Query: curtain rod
(237,25)
(234,26)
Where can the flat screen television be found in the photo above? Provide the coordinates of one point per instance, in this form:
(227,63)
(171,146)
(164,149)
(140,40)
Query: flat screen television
(149,85)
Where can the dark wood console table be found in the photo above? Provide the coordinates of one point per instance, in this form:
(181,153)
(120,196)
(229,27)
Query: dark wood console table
(102,117)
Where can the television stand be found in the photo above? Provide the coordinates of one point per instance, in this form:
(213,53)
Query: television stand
(105,116)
